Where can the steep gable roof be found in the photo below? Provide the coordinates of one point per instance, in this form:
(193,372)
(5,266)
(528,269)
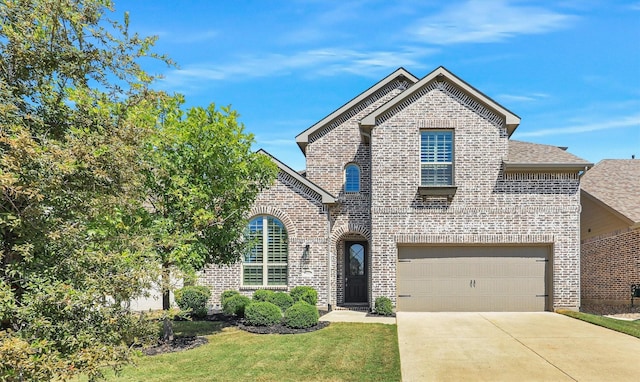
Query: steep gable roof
(303,138)
(441,73)
(323,196)
(537,157)
(616,184)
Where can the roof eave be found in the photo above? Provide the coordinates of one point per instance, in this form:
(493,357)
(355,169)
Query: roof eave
(511,120)
(632,224)
(326,197)
(302,139)
(554,167)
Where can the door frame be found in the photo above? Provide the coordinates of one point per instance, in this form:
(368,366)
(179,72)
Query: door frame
(365,276)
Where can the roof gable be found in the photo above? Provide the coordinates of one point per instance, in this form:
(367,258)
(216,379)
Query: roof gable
(399,74)
(321,195)
(442,74)
(616,183)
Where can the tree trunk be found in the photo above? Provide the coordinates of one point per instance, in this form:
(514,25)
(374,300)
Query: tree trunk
(167,329)
(166,280)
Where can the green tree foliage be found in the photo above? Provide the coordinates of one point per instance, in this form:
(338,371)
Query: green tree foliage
(74,108)
(202,180)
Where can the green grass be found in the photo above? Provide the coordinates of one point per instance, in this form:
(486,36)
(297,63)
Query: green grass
(340,352)
(631,328)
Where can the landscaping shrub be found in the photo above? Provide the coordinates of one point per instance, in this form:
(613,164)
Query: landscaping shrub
(262,295)
(235,305)
(281,299)
(301,315)
(262,313)
(193,299)
(304,293)
(226,294)
(383,306)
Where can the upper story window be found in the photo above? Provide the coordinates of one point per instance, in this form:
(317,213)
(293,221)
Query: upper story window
(265,264)
(352,178)
(436,158)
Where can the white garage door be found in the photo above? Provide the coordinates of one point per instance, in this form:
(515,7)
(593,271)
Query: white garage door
(473,279)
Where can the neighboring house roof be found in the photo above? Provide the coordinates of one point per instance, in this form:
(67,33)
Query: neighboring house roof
(325,197)
(303,138)
(534,156)
(441,73)
(615,183)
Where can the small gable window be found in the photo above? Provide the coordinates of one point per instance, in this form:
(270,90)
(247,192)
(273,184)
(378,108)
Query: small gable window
(266,263)
(352,178)
(436,158)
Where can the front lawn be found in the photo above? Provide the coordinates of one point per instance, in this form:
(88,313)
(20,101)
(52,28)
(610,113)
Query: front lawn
(340,352)
(631,328)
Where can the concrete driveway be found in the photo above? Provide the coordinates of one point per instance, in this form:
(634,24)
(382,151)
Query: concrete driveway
(512,347)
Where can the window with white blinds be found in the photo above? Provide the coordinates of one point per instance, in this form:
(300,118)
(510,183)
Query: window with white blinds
(266,262)
(352,178)
(436,158)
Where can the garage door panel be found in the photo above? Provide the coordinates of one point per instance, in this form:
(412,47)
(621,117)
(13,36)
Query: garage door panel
(426,282)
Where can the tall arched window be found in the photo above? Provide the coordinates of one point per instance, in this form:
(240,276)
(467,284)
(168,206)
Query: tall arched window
(352,178)
(265,264)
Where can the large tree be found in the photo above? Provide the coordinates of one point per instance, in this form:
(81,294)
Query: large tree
(201,181)
(74,109)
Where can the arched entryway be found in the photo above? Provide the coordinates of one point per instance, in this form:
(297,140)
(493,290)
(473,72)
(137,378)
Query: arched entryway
(353,269)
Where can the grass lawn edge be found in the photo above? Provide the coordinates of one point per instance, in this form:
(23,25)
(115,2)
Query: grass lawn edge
(631,328)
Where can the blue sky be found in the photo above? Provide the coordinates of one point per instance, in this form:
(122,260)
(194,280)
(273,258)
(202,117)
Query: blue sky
(569,69)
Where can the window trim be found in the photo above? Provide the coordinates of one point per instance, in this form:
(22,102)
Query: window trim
(357,167)
(423,186)
(265,263)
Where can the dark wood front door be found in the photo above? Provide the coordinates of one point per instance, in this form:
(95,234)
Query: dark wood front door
(355,281)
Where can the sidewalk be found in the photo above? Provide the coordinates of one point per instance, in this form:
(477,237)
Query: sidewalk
(354,316)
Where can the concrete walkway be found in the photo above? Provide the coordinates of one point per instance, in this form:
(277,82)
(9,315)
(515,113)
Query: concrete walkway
(512,347)
(354,316)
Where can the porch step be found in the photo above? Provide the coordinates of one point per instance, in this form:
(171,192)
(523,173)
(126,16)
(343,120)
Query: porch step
(353,307)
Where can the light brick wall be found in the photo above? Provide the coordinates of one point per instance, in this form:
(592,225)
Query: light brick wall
(306,222)
(609,266)
(489,206)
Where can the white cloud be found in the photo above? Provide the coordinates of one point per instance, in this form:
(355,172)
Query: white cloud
(623,122)
(317,62)
(521,97)
(487,21)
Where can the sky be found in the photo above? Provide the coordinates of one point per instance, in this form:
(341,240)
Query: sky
(569,69)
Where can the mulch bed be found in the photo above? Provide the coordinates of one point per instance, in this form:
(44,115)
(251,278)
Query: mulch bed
(178,344)
(186,343)
(602,310)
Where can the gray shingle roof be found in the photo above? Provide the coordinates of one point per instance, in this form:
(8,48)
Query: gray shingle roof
(616,183)
(535,153)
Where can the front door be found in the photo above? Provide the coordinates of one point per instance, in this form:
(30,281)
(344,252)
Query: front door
(355,280)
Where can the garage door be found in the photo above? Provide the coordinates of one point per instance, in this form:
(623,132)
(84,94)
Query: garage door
(472,279)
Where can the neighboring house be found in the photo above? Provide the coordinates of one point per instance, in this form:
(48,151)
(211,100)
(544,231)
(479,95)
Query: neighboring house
(413,190)
(610,231)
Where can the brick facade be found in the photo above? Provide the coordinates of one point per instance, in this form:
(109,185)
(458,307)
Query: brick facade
(491,206)
(610,265)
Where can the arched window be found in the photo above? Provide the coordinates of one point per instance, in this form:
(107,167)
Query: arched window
(265,264)
(352,178)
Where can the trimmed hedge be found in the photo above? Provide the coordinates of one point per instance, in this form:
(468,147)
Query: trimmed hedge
(235,305)
(301,315)
(262,295)
(304,293)
(281,299)
(193,299)
(226,294)
(262,313)
(383,306)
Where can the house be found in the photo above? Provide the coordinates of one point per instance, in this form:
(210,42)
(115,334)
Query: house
(414,190)
(610,231)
